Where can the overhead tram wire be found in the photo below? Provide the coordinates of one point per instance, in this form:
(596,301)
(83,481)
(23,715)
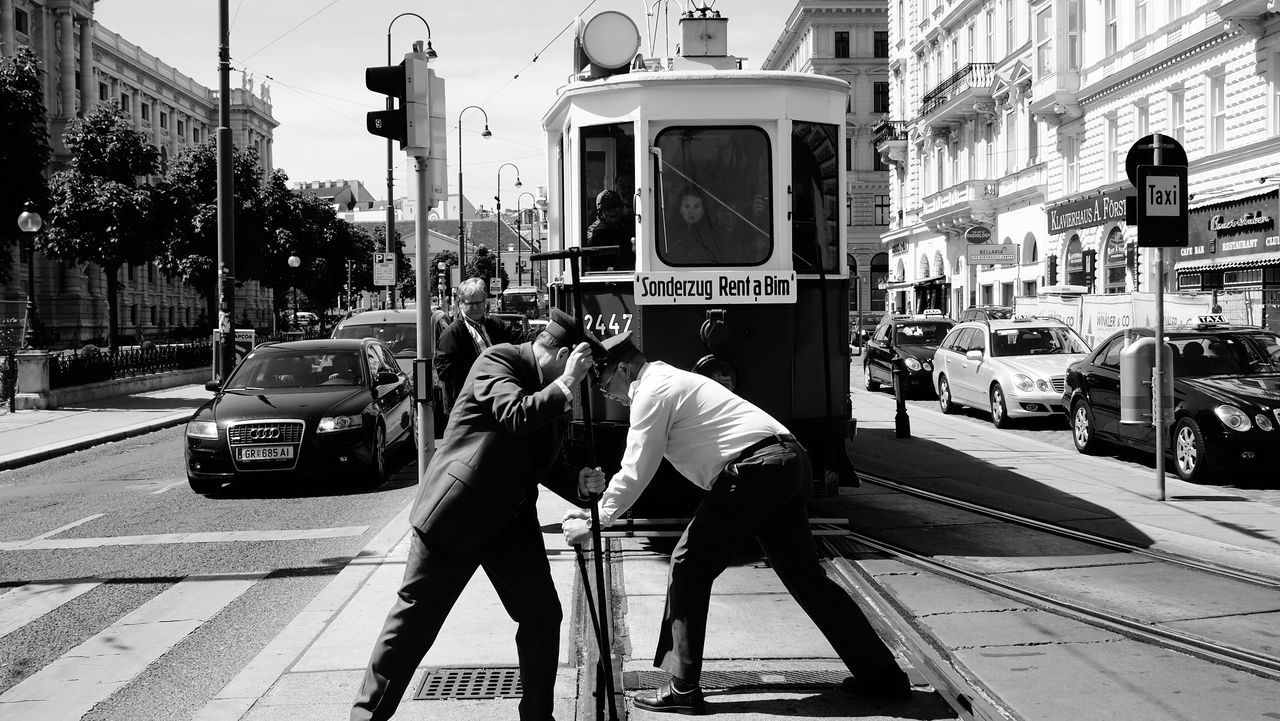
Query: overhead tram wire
(538,54)
(281,36)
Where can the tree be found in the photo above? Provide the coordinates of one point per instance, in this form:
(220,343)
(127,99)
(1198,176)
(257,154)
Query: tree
(450,259)
(481,265)
(24,146)
(98,211)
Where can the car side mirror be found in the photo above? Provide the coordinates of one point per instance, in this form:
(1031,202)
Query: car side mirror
(973,355)
(212,386)
(386,378)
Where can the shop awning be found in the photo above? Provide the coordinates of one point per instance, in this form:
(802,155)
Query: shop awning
(903,284)
(1252,260)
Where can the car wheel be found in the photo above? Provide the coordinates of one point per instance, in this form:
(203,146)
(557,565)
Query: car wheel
(999,411)
(203,487)
(868,382)
(376,472)
(1192,457)
(1083,430)
(944,396)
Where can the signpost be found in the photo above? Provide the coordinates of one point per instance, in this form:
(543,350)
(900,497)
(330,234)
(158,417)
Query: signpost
(1157,167)
(384,269)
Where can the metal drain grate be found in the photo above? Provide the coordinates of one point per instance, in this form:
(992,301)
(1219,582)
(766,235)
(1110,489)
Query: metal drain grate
(470,683)
(784,678)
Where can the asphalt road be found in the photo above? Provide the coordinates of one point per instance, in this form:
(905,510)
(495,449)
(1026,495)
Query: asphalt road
(1055,431)
(137,489)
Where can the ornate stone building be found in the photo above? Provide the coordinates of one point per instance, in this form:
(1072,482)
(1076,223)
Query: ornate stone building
(84,64)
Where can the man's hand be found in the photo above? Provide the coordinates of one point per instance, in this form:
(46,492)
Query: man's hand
(577,365)
(590,482)
(577,528)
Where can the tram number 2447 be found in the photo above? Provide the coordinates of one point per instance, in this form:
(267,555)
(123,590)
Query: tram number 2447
(616,323)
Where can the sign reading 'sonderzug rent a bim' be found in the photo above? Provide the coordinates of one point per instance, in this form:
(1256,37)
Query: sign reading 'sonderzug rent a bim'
(700,287)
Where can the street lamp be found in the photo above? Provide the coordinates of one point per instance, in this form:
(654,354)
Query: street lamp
(498,216)
(391,209)
(443,267)
(520,238)
(462,243)
(295,262)
(29,221)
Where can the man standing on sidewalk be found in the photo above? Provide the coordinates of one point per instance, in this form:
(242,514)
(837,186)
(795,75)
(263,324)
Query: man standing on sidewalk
(758,480)
(467,337)
(476,509)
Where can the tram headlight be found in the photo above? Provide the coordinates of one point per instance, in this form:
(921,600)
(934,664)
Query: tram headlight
(718,370)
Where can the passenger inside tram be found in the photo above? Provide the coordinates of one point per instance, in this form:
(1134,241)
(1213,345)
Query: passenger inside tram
(692,239)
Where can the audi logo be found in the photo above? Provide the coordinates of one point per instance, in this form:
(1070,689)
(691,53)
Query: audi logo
(264,434)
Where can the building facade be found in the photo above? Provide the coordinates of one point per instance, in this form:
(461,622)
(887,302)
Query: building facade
(85,64)
(850,41)
(1011,123)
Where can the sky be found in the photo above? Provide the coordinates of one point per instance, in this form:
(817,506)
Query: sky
(502,55)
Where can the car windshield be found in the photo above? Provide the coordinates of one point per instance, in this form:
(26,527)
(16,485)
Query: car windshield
(1217,355)
(266,369)
(402,338)
(1033,340)
(921,333)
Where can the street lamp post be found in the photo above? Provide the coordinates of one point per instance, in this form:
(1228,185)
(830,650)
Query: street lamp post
(391,209)
(29,221)
(462,241)
(498,216)
(520,238)
(295,262)
(443,267)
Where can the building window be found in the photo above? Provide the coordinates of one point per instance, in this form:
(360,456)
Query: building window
(1115,262)
(1142,120)
(1044,41)
(848,153)
(195,134)
(842,43)
(182,129)
(1028,289)
(1011,25)
(1074,50)
(1217,113)
(126,103)
(132,272)
(1070,164)
(1140,19)
(133,314)
(146,110)
(155,315)
(955,55)
(103,92)
(21,22)
(1112,149)
(171,309)
(1112,23)
(882,43)
(151,273)
(1010,143)
(878,162)
(991,36)
(882,210)
(1175,10)
(1273,88)
(881,97)
(1177,113)
(1033,139)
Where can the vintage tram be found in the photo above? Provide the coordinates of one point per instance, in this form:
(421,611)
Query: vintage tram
(733,258)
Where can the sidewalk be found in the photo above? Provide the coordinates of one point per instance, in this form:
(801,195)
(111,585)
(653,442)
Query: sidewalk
(30,436)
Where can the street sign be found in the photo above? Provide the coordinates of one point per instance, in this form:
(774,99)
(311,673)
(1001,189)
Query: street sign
(991,254)
(1143,152)
(495,285)
(1162,206)
(384,269)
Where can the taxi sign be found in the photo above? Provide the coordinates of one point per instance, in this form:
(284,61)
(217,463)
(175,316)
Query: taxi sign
(1162,206)
(1211,319)
(932,311)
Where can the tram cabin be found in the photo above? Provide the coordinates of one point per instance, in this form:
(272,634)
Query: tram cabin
(732,262)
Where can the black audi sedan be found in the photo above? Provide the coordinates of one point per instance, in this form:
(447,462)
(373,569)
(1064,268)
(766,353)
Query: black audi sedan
(913,339)
(307,408)
(1226,400)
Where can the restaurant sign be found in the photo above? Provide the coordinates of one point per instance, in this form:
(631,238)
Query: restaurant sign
(1100,209)
(1233,229)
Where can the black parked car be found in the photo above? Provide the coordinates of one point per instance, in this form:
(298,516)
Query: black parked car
(303,407)
(1226,399)
(986,312)
(913,338)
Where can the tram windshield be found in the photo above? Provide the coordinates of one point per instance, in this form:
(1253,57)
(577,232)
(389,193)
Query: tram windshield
(815,182)
(712,196)
(608,191)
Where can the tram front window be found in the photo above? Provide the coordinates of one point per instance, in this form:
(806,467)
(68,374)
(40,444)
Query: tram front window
(815,178)
(608,186)
(712,196)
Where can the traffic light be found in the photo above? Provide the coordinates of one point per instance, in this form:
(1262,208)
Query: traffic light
(1090,260)
(1052,271)
(409,83)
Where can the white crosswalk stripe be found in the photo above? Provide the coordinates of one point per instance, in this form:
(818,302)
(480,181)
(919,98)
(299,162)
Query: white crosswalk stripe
(25,604)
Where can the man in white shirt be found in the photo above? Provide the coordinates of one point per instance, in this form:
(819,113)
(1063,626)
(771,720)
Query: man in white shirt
(758,480)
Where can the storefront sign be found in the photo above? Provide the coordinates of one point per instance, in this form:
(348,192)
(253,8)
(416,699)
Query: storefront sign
(991,254)
(1097,210)
(898,248)
(701,287)
(1234,229)
(978,234)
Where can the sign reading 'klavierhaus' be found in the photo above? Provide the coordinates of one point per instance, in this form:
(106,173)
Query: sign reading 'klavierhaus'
(1100,209)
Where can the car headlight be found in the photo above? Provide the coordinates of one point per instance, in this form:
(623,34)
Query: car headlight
(911,363)
(1263,422)
(928,366)
(1042,385)
(1233,418)
(202,429)
(329,424)
(1023,383)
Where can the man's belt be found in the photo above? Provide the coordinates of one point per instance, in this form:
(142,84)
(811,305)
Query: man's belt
(763,443)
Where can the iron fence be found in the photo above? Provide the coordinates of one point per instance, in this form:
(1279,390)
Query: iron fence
(93,365)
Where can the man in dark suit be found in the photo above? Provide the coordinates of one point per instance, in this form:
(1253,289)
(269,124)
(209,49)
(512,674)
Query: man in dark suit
(475,508)
(465,338)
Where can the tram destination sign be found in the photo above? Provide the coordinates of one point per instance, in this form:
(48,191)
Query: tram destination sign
(725,287)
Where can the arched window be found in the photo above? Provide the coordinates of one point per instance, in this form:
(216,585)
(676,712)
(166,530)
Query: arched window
(1074,265)
(924,267)
(1114,257)
(1030,253)
(939,264)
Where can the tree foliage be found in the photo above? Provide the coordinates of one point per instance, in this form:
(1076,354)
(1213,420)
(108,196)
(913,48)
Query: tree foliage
(24,146)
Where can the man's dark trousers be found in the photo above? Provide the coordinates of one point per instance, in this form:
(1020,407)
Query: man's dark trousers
(516,563)
(764,496)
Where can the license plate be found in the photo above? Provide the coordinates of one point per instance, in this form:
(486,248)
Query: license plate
(264,453)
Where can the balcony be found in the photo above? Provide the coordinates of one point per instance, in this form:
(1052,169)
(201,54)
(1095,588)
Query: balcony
(953,100)
(889,138)
(1053,97)
(958,207)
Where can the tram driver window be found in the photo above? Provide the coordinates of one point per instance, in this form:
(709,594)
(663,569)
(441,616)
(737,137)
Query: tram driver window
(608,173)
(711,192)
(815,180)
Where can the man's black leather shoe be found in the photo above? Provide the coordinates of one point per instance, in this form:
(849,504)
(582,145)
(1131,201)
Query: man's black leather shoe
(667,699)
(890,684)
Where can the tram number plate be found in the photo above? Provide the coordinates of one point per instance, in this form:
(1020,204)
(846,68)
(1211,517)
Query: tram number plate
(264,453)
(605,325)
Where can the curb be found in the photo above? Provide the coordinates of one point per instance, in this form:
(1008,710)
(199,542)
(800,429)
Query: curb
(26,458)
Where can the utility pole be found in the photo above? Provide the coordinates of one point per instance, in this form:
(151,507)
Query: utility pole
(226,196)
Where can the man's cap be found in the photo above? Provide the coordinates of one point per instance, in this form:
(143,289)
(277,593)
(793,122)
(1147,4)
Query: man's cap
(615,348)
(564,329)
(608,199)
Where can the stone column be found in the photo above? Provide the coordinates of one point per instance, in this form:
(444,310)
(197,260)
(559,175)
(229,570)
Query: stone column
(88,84)
(33,380)
(6,28)
(67,77)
